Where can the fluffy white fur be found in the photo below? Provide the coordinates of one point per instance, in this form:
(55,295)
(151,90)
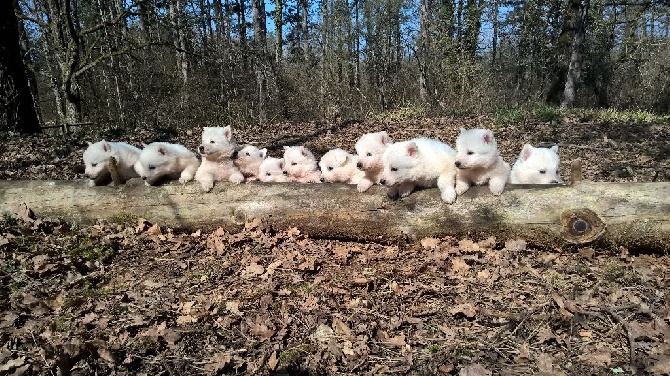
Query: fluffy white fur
(338,166)
(478,161)
(249,160)
(369,149)
(96,159)
(421,162)
(301,164)
(536,166)
(160,160)
(217,151)
(272,170)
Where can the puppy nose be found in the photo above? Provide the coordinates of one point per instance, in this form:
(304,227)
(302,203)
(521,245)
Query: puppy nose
(383,181)
(201,148)
(359,165)
(285,172)
(322,180)
(554,182)
(144,178)
(234,154)
(458,164)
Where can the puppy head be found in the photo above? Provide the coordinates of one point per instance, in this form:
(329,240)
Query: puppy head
(217,142)
(400,163)
(337,166)
(96,158)
(299,161)
(476,148)
(272,170)
(538,165)
(249,159)
(155,161)
(370,148)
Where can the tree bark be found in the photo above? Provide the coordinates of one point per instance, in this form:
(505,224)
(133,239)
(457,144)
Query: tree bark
(15,95)
(632,215)
(580,9)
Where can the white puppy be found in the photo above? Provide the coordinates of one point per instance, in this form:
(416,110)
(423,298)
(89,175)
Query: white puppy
(369,149)
(161,160)
(249,160)
(338,166)
(272,170)
(96,158)
(478,161)
(421,162)
(536,166)
(301,164)
(217,150)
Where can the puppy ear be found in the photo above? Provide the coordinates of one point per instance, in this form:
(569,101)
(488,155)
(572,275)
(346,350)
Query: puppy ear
(488,137)
(554,149)
(462,130)
(89,143)
(264,153)
(144,145)
(303,151)
(162,150)
(105,146)
(412,149)
(286,148)
(228,132)
(526,152)
(281,164)
(384,138)
(340,159)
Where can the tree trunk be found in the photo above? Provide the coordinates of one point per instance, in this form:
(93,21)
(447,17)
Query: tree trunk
(278,31)
(580,9)
(258,10)
(15,96)
(632,215)
(423,48)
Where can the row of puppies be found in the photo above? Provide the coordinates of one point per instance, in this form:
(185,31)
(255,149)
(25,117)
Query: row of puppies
(402,166)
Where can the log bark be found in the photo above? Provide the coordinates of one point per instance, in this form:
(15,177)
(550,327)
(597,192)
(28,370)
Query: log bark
(632,215)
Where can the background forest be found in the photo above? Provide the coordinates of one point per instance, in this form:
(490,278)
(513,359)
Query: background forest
(210,62)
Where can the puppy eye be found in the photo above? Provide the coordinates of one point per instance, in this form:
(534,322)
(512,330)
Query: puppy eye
(543,171)
(152,167)
(248,154)
(269,174)
(369,154)
(394,168)
(93,164)
(470,152)
(294,163)
(330,169)
(211,142)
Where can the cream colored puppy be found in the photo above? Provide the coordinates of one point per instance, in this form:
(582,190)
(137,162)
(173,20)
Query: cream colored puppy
(478,161)
(162,160)
(272,170)
(338,166)
(301,164)
(217,151)
(369,149)
(536,166)
(249,160)
(96,158)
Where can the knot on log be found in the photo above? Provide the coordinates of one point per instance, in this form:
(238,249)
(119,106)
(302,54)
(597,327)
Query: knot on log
(581,226)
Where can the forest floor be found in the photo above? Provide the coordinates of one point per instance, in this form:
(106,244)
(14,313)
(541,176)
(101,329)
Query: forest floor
(143,299)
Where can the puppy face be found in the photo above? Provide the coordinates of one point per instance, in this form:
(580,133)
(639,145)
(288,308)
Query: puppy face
(156,160)
(538,165)
(272,170)
(299,161)
(249,159)
(401,163)
(337,166)
(217,142)
(96,158)
(370,148)
(476,148)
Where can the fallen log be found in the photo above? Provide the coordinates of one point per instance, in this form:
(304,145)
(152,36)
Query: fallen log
(633,215)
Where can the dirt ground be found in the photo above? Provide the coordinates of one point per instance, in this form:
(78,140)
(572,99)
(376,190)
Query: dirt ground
(141,299)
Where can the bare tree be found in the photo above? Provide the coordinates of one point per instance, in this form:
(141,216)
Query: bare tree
(580,9)
(16,101)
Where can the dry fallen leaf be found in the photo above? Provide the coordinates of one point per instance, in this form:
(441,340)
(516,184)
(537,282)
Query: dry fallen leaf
(474,370)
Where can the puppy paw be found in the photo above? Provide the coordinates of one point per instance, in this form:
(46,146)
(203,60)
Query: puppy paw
(448,195)
(91,183)
(236,178)
(364,185)
(461,187)
(206,186)
(497,188)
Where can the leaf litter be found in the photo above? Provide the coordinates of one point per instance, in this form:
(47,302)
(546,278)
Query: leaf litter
(143,299)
